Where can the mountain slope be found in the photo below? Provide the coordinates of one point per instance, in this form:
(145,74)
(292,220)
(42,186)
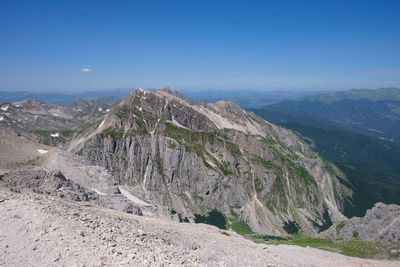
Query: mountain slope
(197,157)
(375,113)
(50,123)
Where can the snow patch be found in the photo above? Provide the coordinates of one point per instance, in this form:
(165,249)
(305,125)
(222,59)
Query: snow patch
(101,124)
(100,109)
(108,110)
(54,114)
(132,198)
(98,192)
(42,151)
(55,135)
(1,118)
(5,108)
(174,122)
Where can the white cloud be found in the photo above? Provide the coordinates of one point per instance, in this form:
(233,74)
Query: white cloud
(86,70)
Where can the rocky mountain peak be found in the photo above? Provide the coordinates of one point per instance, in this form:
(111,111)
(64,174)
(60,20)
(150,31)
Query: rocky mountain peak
(193,157)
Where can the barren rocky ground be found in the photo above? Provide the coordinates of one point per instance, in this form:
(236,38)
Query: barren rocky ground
(40,230)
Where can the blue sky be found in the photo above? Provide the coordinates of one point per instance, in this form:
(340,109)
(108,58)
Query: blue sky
(262,45)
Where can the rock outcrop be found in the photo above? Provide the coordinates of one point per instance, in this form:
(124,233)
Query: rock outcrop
(54,183)
(381,223)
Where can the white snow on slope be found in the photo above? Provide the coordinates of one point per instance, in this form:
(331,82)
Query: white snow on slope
(98,192)
(101,124)
(42,151)
(132,197)
(1,118)
(178,124)
(4,108)
(55,135)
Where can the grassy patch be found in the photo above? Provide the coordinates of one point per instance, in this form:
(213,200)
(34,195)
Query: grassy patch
(353,248)
(111,132)
(258,185)
(85,127)
(241,228)
(355,234)
(225,233)
(340,226)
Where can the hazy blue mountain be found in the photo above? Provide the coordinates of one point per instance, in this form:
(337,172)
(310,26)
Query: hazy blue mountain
(381,94)
(375,113)
(243,98)
(61,98)
(247,98)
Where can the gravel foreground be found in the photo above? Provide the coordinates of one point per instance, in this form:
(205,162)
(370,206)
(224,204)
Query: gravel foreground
(39,230)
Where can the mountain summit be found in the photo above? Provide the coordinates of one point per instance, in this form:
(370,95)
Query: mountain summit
(192,158)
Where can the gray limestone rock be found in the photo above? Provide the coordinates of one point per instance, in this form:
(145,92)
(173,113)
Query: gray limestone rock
(194,157)
(381,223)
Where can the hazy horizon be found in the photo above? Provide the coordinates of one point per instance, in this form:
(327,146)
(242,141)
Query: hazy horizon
(194,90)
(56,46)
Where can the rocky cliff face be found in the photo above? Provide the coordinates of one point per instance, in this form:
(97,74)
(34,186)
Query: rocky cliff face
(194,157)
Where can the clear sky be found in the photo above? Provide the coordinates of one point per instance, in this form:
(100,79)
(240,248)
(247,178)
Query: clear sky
(303,45)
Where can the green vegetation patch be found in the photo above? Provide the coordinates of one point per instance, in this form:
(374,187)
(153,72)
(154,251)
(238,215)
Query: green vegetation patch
(258,185)
(241,228)
(111,132)
(214,217)
(85,127)
(278,196)
(291,227)
(353,248)
(340,226)
(326,221)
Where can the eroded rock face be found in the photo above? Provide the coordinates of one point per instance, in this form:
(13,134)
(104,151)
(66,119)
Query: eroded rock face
(54,183)
(50,183)
(381,223)
(194,157)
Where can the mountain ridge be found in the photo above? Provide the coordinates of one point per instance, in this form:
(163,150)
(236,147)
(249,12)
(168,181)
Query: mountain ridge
(182,155)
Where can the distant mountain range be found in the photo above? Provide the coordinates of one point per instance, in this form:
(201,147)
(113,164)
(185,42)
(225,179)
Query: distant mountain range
(374,113)
(243,98)
(61,98)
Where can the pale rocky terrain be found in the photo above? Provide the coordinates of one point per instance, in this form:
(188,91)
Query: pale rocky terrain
(381,223)
(40,230)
